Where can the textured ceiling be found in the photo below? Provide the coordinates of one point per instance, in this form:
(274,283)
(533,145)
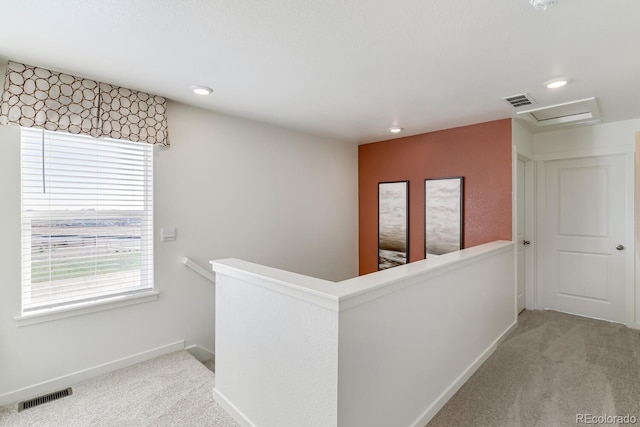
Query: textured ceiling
(342,68)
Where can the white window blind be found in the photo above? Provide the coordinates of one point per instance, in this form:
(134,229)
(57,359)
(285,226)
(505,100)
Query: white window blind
(87,219)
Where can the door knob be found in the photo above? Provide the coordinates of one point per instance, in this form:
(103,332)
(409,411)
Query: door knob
(619,247)
(526,242)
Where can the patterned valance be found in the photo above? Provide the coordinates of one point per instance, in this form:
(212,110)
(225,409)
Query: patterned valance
(40,98)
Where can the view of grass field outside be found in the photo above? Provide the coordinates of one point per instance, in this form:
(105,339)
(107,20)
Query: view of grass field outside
(86,218)
(73,258)
(54,248)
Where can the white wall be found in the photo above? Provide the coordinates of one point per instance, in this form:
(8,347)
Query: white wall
(384,349)
(522,138)
(407,346)
(277,343)
(594,137)
(232,188)
(236,188)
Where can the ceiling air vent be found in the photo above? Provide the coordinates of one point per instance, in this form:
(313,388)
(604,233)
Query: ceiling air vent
(519,100)
(582,111)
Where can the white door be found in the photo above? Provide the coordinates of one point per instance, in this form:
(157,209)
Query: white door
(585,237)
(521,238)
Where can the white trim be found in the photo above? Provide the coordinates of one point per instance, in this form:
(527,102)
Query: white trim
(432,410)
(315,291)
(541,219)
(530,254)
(210,276)
(529,229)
(231,409)
(524,148)
(363,289)
(359,290)
(514,222)
(630,244)
(594,152)
(129,162)
(636,261)
(51,314)
(201,353)
(591,116)
(586,317)
(85,374)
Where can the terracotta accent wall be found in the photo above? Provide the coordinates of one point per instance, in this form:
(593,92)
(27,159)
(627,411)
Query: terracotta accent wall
(481,153)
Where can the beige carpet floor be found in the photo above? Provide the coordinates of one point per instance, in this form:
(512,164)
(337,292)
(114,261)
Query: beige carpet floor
(171,390)
(553,367)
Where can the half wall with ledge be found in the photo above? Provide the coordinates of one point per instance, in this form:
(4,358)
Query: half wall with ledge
(385,349)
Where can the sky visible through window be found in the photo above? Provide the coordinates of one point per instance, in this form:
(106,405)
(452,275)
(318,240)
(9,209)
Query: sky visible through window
(73,174)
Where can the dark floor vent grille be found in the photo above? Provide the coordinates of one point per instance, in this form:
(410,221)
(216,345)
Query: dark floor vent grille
(44,399)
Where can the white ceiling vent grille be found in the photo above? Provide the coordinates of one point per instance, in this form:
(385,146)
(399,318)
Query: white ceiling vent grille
(519,100)
(582,111)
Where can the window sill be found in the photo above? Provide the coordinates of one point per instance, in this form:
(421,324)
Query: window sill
(52,314)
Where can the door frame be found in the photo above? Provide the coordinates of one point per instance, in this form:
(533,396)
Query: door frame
(529,227)
(630,223)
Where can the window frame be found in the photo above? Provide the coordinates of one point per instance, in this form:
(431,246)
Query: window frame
(100,300)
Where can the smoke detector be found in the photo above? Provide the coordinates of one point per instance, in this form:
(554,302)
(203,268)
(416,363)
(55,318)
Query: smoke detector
(542,4)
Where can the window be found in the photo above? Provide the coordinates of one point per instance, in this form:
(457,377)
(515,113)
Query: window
(87,219)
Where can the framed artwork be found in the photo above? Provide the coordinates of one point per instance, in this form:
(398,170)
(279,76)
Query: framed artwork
(393,224)
(443,215)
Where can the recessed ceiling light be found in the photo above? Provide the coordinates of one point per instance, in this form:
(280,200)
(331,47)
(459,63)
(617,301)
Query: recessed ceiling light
(542,4)
(395,129)
(556,83)
(201,90)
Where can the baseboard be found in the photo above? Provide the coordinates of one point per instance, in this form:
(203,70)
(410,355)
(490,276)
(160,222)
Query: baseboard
(432,410)
(201,353)
(67,380)
(231,409)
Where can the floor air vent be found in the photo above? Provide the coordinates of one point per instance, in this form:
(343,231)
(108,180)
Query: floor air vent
(44,399)
(519,100)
